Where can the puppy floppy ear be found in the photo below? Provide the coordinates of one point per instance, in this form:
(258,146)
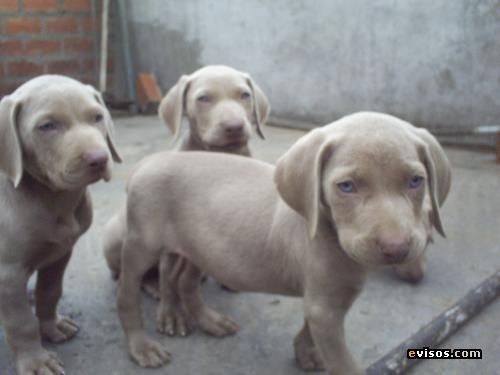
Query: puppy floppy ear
(299,172)
(108,123)
(439,174)
(261,107)
(173,104)
(441,164)
(11,162)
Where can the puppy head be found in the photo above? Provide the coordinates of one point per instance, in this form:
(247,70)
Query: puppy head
(57,130)
(220,103)
(375,179)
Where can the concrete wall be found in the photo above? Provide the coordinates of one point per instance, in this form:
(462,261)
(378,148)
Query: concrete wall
(433,62)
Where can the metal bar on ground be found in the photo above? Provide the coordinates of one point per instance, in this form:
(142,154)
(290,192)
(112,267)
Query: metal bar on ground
(439,329)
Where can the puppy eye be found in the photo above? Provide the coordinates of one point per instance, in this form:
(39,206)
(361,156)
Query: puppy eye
(203,98)
(47,126)
(415,182)
(347,187)
(245,95)
(98,118)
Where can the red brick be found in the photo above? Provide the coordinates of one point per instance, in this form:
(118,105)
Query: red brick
(24,68)
(8,88)
(110,66)
(11,47)
(61,24)
(8,5)
(86,24)
(77,5)
(63,66)
(88,65)
(42,46)
(78,44)
(40,5)
(88,79)
(16,25)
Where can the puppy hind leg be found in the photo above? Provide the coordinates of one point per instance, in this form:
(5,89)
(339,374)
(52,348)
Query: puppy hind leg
(53,327)
(171,318)
(112,245)
(209,320)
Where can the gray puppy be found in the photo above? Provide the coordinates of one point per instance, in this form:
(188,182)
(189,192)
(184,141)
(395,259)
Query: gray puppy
(222,105)
(360,192)
(55,139)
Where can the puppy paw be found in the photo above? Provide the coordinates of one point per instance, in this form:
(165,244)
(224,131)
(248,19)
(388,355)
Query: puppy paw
(216,324)
(412,272)
(150,287)
(307,357)
(58,330)
(172,321)
(148,353)
(43,362)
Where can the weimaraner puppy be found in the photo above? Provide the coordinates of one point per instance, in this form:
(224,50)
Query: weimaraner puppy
(360,192)
(55,139)
(221,105)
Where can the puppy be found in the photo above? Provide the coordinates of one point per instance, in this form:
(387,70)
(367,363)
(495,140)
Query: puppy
(55,139)
(221,105)
(361,192)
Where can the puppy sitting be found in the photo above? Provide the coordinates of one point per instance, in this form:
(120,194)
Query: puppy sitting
(360,192)
(221,105)
(55,139)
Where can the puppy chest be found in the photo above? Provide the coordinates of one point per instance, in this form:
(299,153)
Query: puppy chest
(56,239)
(66,230)
(57,231)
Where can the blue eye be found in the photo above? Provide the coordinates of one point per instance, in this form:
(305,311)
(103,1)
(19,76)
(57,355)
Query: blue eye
(47,126)
(415,182)
(346,187)
(203,98)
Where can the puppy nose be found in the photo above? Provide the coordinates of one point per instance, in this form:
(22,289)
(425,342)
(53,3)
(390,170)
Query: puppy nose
(96,159)
(233,127)
(395,248)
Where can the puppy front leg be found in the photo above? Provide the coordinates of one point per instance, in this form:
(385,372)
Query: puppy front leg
(306,353)
(21,326)
(209,320)
(143,350)
(49,285)
(326,322)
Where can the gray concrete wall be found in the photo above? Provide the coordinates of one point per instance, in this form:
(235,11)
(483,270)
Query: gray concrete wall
(433,62)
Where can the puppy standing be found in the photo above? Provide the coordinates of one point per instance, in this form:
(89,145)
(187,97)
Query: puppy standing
(221,104)
(362,191)
(55,139)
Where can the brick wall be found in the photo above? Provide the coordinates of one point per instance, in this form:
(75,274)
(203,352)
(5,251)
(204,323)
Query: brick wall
(47,36)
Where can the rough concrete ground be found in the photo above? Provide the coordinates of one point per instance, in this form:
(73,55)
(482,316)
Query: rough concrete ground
(387,312)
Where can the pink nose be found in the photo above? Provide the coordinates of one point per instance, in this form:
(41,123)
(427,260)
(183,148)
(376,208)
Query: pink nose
(233,128)
(96,159)
(395,247)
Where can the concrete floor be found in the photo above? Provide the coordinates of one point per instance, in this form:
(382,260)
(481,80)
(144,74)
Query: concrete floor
(387,312)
